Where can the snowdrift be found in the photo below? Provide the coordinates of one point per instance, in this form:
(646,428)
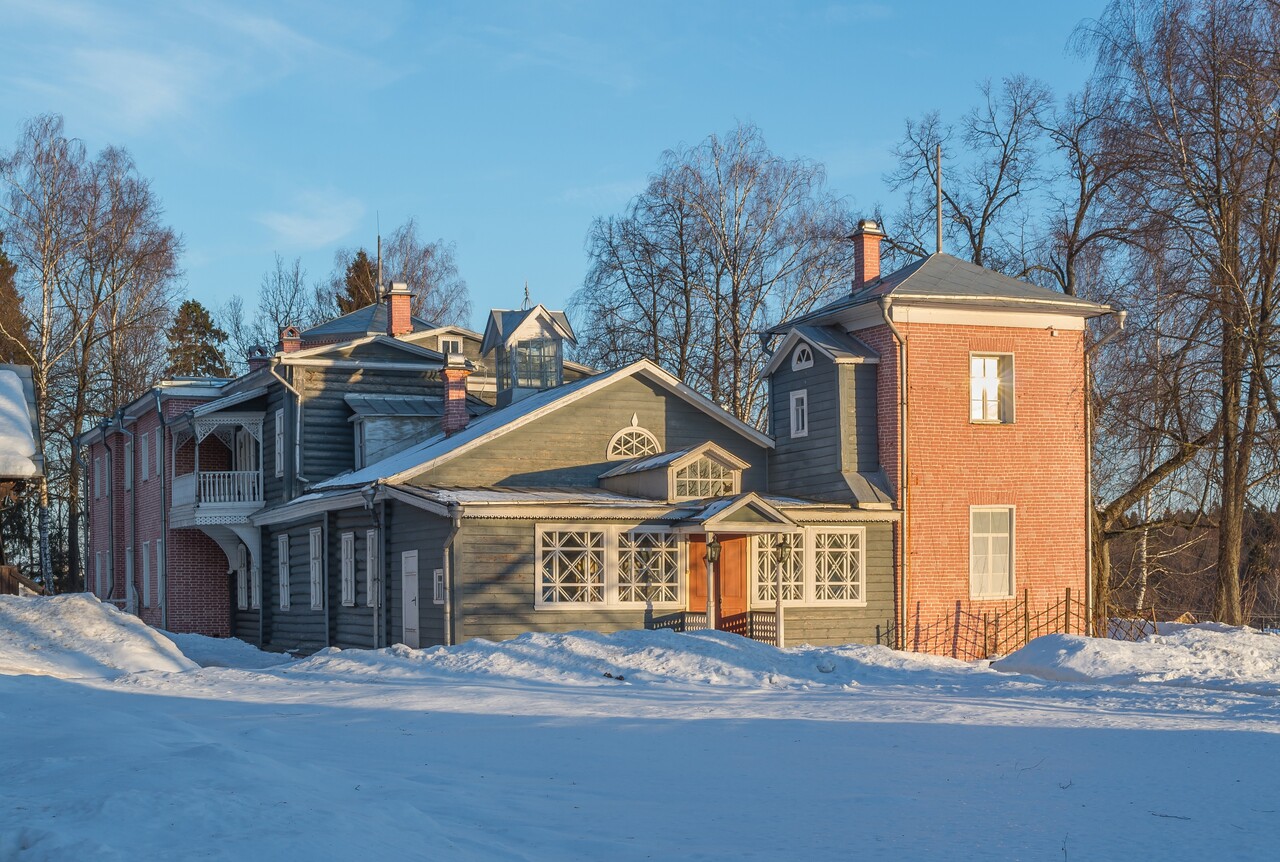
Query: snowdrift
(77,636)
(1208,655)
(225,652)
(636,657)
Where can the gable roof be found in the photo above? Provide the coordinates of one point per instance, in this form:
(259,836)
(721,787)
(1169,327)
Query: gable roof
(764,516)
(436,450)
(832,342)
(370,320)
(677,458)
(503,322)
(377,338)
(942,278)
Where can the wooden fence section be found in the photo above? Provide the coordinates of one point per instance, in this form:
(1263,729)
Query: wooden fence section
(969,632)
(12,583)
(757,625)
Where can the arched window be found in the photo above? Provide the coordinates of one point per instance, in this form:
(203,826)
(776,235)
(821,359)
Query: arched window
(632,442)
(802,358)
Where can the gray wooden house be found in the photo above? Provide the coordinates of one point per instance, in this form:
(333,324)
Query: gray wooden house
(614,500)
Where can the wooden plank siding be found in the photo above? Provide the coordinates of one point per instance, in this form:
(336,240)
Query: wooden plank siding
(409,528)
(567,447)
(842,429)
(277,489)
(328,439)
(831,626)
(300,628)
(349,626)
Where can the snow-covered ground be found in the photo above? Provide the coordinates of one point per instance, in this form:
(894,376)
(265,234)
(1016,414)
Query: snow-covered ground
(631,746)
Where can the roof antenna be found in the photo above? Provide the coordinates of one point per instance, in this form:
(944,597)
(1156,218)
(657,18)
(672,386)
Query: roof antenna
(938,160)
(527,302)
(378,216)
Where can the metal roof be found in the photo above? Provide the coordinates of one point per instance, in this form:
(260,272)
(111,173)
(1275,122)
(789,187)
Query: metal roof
(370,320)
(395,405)
(944,278)
(503,322)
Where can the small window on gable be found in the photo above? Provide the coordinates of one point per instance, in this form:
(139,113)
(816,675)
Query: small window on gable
(802,358)
(705,477)
(800,413)
(450,345)
(632,442)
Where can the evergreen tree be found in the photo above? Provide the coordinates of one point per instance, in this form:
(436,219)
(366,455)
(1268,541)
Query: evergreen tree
(360,284)
(195,344)
(15,344)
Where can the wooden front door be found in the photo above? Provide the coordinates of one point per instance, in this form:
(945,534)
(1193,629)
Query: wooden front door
(731,581)
(409,598)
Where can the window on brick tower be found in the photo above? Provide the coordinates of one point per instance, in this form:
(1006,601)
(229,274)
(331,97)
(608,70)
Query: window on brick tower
(991,552)
(991,387)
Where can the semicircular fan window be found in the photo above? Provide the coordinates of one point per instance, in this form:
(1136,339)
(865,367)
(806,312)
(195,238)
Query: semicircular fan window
(633,442)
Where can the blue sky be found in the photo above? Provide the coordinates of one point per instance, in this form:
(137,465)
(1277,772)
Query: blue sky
(502,127)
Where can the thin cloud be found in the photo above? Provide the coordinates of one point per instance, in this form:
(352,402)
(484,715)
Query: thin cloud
(316,219)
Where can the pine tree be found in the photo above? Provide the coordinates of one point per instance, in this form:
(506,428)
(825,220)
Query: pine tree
(195,344)
(15,345)
(360,284)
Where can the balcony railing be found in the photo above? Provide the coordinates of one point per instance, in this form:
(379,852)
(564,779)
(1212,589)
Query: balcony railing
(224,486)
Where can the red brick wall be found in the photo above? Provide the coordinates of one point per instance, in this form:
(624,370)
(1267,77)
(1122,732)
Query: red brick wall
(1036,464)
(195,565)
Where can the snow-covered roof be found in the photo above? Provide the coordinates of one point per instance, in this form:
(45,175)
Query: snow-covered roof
(648,462)
(19,431)
(440,448)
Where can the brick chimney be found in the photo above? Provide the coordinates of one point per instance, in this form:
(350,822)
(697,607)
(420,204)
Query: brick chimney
(290,339)
(259,356)
(399,310)
(866,253)
(454,374)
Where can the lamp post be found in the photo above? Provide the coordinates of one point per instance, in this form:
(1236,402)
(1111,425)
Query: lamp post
(713,557)
(783,550)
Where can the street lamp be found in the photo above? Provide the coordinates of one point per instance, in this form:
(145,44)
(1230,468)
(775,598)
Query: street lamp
(713,557)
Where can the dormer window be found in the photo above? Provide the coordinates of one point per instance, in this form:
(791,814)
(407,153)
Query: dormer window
(802,358)
(450,345)
(705,477)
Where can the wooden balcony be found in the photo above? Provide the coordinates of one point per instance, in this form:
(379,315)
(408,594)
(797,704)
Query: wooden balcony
(215,497)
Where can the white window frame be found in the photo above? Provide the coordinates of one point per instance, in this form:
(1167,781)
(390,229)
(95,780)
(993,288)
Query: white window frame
(613,582)
(128,564)
(315,548)
(802,357)
(255,586)
(761,579)
(673,480)
(612,452)
(159,454)
(1013,533)
(611,564)
(1003,405)
(97,478)
(372,582)
(97,573)
(128,465)
(242,578)
(800,412)
(443,341)
(348,570)
(146,572)
(809,556)
(541,546)
(144,451)
(283,571)
(159,563)
(279,442)
(437,587)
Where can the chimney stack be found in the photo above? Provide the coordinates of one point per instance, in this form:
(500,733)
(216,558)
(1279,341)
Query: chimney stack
(259,356)
(290,339)
(399,310)
(866,253)
(454,374)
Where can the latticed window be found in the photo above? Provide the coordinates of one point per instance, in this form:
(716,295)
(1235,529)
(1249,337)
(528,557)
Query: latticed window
(705,477)
(837,567)
(648,567)
(632,443)
(571,566)
(769,560)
